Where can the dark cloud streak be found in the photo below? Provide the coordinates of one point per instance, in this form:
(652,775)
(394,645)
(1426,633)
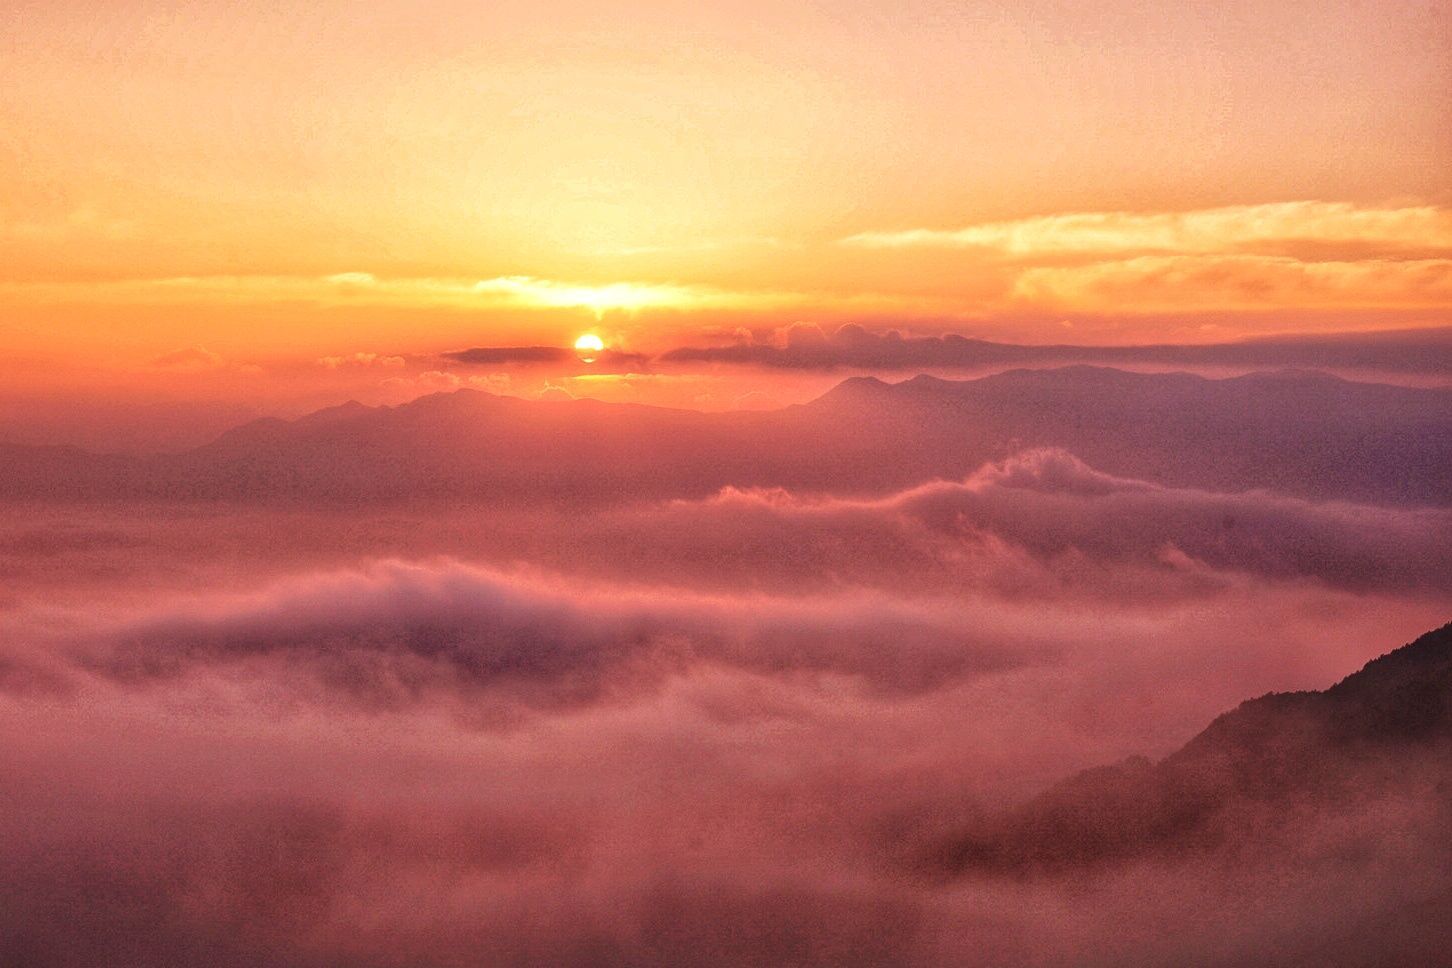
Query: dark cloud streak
(605,361)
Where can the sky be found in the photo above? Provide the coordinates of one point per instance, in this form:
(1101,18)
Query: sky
(203,201)
(1038,388)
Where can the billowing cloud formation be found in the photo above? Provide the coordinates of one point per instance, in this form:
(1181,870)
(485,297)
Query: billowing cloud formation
(1205,231)
(1040,526)
(1050,504)
(897,595)
(410,763)
(759,727)
(727,811)
(1041,523)
(397,629)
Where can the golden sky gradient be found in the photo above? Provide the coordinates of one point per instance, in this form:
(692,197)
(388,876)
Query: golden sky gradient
(272,184)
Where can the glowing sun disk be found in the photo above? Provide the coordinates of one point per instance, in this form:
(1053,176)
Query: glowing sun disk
(588,347)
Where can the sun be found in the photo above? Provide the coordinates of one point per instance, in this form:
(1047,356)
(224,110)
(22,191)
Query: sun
(588,347)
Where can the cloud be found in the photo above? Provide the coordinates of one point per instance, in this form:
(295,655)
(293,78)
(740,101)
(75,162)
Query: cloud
(1238,283)
(1306,257)
(512,354)
(556,393)
(1300,255)
(361,360)
(605,361)
(1041,523)
(915,593)
(906,594)
(442,381)
(1049,502)
(352,279)
(396,631)
(274,753)
(419,292)
(238,810)
(725,725)
(1204,231)
(851,346)
(626,296)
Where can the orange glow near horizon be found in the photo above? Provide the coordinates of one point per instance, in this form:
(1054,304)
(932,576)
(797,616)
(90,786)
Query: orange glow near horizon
(273,187)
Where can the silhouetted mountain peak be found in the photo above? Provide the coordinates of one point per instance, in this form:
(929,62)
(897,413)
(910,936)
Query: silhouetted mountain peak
(343,410)
(1429,654)
(854,388)
(924,381)
(1385,726)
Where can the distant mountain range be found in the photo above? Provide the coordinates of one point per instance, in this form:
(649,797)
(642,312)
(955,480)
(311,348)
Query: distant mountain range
(1299,433)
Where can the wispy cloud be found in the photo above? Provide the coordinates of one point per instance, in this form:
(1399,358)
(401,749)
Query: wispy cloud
(1299,256)
(366,288)
(1237,282)
(628,296)
(361,359)
(1215,230)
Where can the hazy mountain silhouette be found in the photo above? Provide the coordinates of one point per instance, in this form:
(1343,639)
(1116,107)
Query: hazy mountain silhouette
(1299,433)
(1252,779)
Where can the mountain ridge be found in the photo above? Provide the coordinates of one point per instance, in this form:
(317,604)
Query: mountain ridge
(1382,731)
(1332,438)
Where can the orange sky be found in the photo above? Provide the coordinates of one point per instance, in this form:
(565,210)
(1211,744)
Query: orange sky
(258,187)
